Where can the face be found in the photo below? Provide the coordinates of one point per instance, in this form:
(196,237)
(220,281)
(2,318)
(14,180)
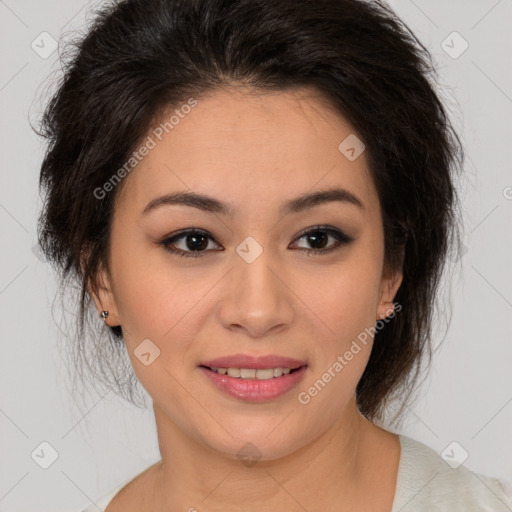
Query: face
(256,273)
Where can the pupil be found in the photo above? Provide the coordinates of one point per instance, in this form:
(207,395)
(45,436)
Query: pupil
(316,238)
(192,242)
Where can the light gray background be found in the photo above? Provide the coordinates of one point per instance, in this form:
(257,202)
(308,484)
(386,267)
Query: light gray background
(468,397)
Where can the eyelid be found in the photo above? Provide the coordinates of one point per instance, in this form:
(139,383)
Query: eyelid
(182,233)
(339,235)
(331,230)
(186,231)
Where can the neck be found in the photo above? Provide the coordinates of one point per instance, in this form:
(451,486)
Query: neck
(331,467)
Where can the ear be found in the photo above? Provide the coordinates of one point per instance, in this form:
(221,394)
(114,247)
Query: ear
(390,283)
(100,290)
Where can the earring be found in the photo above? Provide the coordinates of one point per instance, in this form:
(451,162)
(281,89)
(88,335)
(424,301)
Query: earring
(104,315)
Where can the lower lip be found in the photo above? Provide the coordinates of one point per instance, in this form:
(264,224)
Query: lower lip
(254,390)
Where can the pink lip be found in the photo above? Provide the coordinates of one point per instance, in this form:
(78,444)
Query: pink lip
(246,361)
(254,390)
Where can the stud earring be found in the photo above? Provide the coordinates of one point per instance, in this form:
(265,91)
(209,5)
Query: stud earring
(104,315)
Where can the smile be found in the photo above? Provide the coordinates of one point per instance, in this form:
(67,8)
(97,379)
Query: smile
(254,384)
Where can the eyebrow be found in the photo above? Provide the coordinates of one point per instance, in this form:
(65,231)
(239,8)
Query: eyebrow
(211,205)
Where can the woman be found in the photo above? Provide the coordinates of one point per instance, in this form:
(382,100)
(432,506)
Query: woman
(257,199)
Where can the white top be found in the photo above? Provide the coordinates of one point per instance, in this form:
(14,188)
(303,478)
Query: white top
(425,483)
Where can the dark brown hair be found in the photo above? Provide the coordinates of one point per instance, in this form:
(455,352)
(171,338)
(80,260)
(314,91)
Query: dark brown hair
(139,57)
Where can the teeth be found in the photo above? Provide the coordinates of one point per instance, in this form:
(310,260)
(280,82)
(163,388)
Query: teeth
(234,372)
(252,373)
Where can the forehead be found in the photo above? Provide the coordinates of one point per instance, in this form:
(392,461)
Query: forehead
(248,148)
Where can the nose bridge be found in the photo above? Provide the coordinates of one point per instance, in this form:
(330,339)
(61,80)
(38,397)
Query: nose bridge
(257,276)
(257,300)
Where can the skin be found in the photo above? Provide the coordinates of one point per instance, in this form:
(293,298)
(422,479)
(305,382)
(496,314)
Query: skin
(255,151)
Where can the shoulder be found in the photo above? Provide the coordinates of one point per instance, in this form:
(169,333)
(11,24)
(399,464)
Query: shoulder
(426,482)
(101,504)
(127,495)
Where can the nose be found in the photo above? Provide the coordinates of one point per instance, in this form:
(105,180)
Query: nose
(257,299)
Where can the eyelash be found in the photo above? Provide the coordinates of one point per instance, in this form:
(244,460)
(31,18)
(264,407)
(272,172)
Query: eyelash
(339,236)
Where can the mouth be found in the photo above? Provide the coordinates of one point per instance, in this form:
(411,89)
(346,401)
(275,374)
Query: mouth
(254,379)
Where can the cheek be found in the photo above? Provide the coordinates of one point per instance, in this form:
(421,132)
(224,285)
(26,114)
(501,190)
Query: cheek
(154,308)
(345,306)
(159,302)
(344,303)
(345,297)
(150,300)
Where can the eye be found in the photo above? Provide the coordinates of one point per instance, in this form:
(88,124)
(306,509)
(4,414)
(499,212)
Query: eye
(193,243)
(318,238)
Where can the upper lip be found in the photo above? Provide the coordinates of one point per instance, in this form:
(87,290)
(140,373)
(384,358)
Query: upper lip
(248,361)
